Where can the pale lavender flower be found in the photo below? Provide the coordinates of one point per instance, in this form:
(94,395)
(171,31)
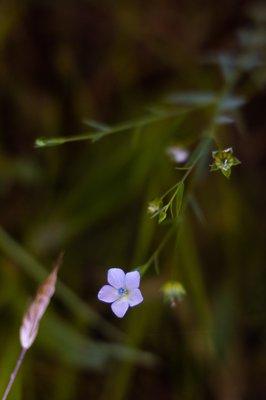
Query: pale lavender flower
(122,291)
(177,154)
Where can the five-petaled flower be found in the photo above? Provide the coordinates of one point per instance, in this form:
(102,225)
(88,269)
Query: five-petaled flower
(224,160)
(122,291)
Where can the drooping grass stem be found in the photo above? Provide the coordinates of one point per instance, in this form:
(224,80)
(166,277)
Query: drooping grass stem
(94,136)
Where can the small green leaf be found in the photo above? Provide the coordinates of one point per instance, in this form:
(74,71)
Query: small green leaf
(213,167)
(179,197)
(162,215)
(226,172)
(192,98)
(96,125)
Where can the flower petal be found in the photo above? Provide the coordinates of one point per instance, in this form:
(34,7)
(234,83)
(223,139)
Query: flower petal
(135,297)
(132,280)
(116,277)
(120,307)
(108,294)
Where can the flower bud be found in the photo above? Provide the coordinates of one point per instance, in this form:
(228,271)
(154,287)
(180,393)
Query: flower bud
(224,160)
(173,292)
(154,206)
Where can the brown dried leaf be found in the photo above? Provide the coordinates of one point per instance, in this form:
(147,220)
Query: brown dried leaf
(31,320)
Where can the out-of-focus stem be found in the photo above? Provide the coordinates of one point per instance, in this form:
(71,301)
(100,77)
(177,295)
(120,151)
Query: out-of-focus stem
(14,373)
(157,251)
(55,141)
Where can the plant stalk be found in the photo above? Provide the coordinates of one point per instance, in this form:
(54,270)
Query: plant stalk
(14,373)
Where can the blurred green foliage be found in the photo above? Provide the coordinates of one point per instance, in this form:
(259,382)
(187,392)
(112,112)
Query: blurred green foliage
(141,76)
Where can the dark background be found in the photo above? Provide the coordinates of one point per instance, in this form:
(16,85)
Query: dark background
(62,62)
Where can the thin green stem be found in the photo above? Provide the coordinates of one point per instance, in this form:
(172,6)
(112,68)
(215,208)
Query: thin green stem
(170,190)
(191,167)
(55,141)
(157,252)
(14,373)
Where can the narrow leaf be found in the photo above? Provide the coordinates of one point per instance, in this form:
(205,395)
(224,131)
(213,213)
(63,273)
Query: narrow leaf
(179,198)
(96,125)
